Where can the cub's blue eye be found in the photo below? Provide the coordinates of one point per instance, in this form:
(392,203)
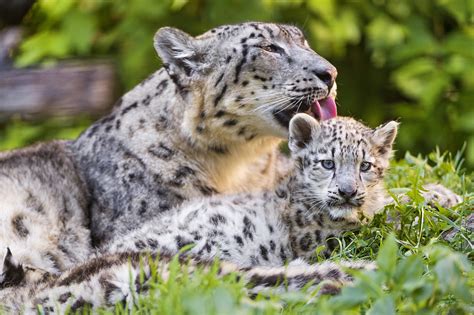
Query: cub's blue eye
(328,164)
(365,166)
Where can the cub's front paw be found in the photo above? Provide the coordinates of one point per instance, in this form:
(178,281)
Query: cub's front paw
(438,194)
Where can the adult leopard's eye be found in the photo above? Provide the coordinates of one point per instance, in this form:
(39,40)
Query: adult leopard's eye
(328,164)
(365,166)
(271,48)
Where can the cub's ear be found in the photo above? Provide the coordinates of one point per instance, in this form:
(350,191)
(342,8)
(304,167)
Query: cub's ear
(383,138)
(303,128)
(180,52)
(12,273)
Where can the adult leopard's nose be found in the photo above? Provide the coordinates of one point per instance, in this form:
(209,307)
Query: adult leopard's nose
(327,74)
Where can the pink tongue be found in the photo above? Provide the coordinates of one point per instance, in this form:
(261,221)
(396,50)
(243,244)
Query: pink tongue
(325,108)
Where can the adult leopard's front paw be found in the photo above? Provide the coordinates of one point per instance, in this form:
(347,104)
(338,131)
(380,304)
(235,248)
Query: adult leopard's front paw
(436,194)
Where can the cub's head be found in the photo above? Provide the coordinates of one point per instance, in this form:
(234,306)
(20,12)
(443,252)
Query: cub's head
(248,80)
(340,164)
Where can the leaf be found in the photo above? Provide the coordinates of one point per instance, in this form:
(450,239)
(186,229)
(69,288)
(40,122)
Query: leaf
(177,5)
(385,305)
(412,77)
(56,9)
(421,290)
(408,272)
(451,276)
(420,42)
(325,8)
(387,256)
(459,9)
(460,43)
(80,28)
(383,32)
(350,297)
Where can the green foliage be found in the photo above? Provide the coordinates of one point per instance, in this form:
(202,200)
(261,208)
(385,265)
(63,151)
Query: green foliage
(410,60)
(412,285)
(19,133)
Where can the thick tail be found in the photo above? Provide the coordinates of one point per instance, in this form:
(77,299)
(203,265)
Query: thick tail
(326,277)
(120,278)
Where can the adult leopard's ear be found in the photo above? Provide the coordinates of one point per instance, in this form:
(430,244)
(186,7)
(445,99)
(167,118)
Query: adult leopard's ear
(303,129)
(181,53)
(12,273)
(383,138)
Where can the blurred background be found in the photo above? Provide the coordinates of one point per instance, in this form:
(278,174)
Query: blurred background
(63,63)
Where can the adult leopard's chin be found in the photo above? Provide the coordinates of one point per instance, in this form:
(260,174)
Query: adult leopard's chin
(283,117)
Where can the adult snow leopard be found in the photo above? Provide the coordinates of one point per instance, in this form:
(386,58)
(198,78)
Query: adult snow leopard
(208,122)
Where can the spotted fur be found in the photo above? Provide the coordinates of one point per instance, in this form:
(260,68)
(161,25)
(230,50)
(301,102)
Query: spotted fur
(41,226)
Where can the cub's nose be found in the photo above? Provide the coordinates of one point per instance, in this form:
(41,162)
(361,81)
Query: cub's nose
(327,75)
(347,192)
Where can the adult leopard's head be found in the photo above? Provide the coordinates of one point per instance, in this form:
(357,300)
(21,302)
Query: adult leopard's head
(340,164)
(248,80)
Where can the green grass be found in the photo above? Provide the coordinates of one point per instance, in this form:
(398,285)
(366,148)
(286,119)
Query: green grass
(419,272)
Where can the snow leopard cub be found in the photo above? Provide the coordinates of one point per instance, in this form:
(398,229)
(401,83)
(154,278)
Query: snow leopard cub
(336,183)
